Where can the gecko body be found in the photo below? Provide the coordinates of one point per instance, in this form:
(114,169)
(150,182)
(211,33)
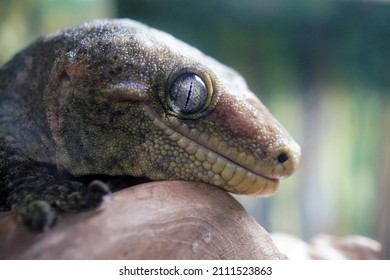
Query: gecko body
(117,98)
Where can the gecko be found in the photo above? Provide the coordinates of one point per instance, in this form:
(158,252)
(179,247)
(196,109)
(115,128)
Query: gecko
(90,109)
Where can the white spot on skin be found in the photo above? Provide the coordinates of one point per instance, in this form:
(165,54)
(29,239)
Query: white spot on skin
(21,77)
(29,61)
(195,247)
(206,237)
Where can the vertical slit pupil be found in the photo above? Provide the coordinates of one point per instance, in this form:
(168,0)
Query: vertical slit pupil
(188,95)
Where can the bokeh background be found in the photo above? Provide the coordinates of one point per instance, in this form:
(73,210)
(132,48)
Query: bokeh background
(321,66)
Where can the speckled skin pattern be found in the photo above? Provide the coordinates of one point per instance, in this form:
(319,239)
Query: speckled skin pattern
(90,102)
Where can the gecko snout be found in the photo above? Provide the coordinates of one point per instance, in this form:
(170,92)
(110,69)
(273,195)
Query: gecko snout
(286,160)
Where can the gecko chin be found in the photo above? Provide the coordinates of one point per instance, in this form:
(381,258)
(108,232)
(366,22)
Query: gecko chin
(217,169)
(232,176)
(225,173)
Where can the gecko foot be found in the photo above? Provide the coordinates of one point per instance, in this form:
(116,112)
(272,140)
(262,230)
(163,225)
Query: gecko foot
(83,198)
(44,205)
(38,215)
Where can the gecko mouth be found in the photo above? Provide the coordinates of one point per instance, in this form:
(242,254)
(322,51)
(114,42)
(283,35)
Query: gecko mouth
(226,173)
(221,170)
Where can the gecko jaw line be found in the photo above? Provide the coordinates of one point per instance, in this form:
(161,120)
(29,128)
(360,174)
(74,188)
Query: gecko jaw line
(227,174)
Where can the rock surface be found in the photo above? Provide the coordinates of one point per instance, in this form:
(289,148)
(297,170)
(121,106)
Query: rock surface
(157,220)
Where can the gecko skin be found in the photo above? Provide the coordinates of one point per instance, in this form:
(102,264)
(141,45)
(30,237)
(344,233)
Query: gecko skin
(115,100)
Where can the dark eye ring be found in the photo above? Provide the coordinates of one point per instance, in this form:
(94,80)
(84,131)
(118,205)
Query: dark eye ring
(189,93)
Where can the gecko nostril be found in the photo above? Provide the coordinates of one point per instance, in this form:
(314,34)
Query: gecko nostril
(283,157)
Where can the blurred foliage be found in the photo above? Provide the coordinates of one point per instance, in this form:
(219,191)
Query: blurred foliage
(21,21)
(322,67)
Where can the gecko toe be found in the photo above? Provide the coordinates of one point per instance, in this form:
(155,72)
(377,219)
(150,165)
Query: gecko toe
(99,188)
(38,215)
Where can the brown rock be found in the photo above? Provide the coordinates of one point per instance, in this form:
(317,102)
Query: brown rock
(158,220)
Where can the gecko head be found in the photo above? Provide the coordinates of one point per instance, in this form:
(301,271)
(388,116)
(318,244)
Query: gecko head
(143,103)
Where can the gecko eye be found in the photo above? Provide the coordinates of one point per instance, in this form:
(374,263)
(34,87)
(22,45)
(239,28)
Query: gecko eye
(188,94)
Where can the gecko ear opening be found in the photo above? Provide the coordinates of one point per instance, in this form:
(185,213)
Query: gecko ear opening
(131,91)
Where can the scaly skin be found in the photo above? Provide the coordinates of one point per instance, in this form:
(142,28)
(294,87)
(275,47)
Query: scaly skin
(99,100)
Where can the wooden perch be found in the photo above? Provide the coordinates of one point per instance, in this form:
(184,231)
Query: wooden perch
(158,220)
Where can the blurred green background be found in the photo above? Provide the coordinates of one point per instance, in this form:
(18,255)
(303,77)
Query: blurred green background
(323,69)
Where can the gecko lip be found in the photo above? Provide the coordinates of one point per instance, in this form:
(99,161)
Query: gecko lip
(222,171)
(228,174)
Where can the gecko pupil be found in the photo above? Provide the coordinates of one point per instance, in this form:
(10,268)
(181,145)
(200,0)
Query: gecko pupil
(188,94)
